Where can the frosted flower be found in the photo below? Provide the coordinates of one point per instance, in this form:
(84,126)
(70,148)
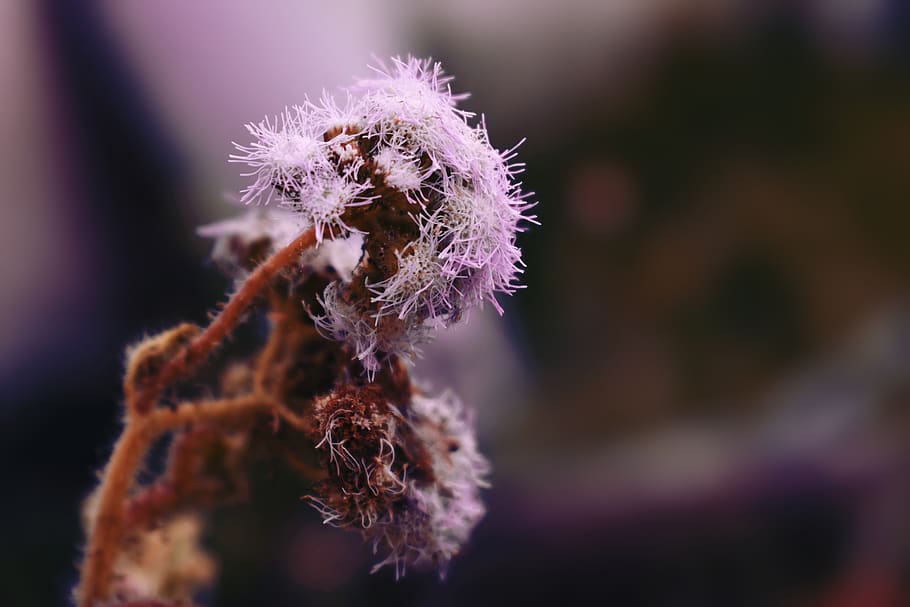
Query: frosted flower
(398,169)
(287,151)
(480,256)
(407,478)
(293,157)
(438,205)
(340,256)
(419,282)
(241,242)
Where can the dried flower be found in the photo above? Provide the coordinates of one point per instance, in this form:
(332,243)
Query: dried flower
(439,207)
(407,478)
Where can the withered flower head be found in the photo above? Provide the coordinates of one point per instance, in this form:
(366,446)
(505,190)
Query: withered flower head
(438,206)
(408,477)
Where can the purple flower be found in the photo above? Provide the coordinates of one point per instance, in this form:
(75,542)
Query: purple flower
(294,160)
(438,205)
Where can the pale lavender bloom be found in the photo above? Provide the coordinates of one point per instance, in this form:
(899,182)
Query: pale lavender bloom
(345,322)
(288,151)
(419,282)
(340,256)
(411,107)
(463,197)
(292,158)
(400,169)
(469,241)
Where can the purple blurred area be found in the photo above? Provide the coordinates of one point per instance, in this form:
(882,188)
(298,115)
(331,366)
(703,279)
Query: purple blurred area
(702,397)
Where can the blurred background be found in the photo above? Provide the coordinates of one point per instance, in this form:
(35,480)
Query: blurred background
(702,397)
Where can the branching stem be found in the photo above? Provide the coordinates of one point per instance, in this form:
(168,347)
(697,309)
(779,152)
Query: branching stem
(145,423)
(226,321)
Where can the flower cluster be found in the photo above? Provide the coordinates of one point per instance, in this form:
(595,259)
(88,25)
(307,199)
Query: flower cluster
(392,216)
(438,206)
(407,477)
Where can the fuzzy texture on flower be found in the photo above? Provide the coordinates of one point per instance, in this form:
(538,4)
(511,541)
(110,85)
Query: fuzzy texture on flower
(244,241)
(293,158)
(407,477)
(438,205)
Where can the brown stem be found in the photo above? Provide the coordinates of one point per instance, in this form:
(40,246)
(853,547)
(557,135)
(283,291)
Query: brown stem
(144,425)
(185,482)
(107,530)
(270,352)
(221,410)
(225,322)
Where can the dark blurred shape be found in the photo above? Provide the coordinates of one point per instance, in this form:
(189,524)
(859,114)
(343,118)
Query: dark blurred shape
(321,559)
(125,186)
(601,198)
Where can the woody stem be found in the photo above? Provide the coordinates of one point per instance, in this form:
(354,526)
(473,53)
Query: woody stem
(109,525)
(145,424)
(230,316)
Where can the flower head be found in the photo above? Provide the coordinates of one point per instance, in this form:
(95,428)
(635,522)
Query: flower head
(438,206)
(294,158)
(407,478)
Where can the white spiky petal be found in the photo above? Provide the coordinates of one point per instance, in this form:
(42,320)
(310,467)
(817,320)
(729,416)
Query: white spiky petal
(423,146)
